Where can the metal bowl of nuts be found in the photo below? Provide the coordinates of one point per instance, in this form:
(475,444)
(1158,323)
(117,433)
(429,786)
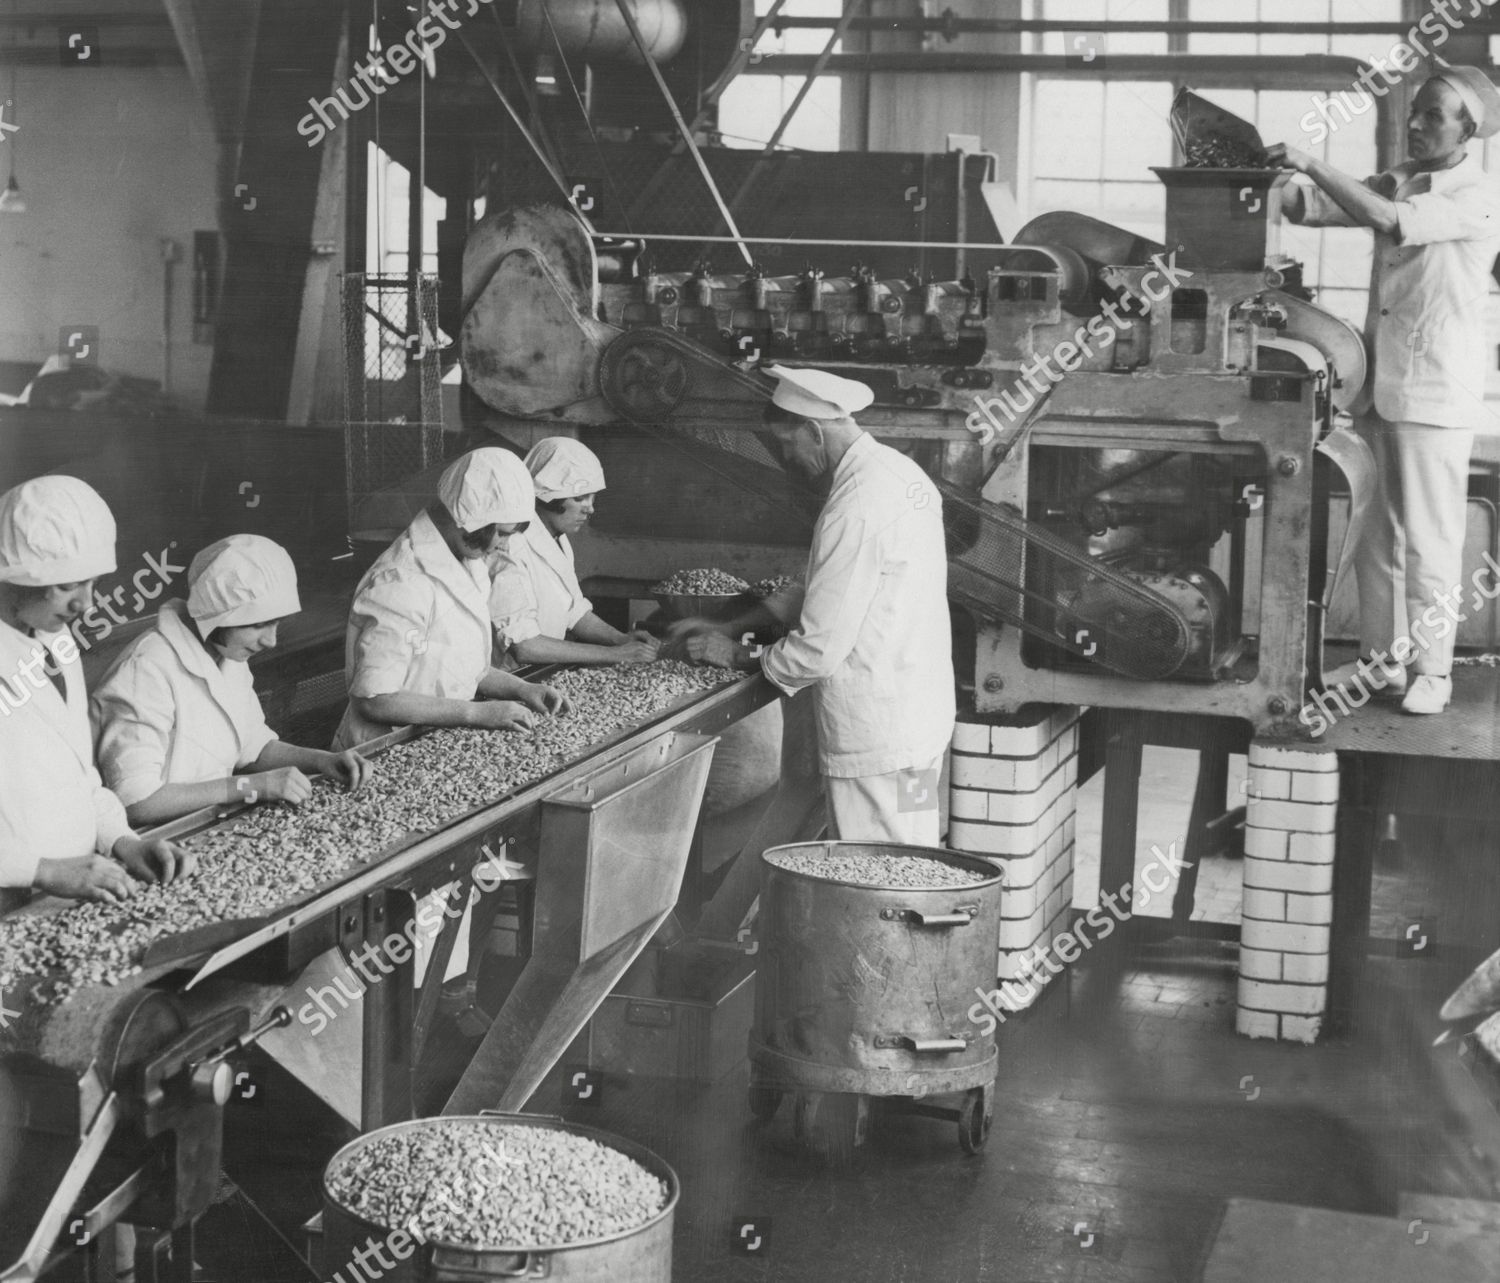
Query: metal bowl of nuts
(501,1196)
(689,594)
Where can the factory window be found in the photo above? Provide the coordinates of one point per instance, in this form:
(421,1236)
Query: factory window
(388,218)
(1117,128)
(753,106)
(1303,11)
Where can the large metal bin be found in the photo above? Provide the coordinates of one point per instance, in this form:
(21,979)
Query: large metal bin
(864,991)
(641,1255)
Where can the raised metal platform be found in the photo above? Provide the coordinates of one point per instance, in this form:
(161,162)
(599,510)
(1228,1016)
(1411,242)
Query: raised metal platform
(1469,729)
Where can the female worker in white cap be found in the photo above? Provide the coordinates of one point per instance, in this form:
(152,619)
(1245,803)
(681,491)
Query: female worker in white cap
(1436,220)
(871,635)
(61,830)
(419,641)
(537,604)
(178,723)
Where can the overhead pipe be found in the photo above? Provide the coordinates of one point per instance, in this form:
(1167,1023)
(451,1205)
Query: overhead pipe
(1204,70)
(595,31)
(950,25)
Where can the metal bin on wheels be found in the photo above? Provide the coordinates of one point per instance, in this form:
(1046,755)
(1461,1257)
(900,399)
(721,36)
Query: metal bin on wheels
(863,991)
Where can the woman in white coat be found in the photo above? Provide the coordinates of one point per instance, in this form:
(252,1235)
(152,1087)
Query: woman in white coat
(537,604)
(178,723)
(61,830)
(419,642)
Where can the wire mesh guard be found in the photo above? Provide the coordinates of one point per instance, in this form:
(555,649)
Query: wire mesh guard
(1013,571)
(392,380)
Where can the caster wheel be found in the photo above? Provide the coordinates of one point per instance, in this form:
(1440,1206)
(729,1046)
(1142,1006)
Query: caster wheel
(804,1114)
(764,1101)
(974,1122)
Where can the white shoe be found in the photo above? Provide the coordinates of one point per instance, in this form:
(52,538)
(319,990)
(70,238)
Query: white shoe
(1428,694)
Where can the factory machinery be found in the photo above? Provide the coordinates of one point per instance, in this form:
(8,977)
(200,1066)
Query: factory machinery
(1135,441)
(112,1099)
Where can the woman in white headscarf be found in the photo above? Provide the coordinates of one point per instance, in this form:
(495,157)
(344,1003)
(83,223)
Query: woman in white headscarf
(178,723)
(61,830)
(537,604)
(418,647)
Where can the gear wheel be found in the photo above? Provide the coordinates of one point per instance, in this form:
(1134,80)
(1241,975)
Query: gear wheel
(643,377)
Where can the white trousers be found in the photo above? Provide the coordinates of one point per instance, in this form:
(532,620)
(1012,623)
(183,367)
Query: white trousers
(899,806)
(1411,547)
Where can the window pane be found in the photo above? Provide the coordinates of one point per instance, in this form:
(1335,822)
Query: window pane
(1069,128)
(1293,11)
(1051,194)
(1138,11)
(1137,128)
(1138,207)
(1218,11)
(752,107)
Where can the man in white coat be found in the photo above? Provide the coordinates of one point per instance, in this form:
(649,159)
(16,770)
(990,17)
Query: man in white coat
(1436,220)
(419,641)
(537,603)
(872,635)
(61,830)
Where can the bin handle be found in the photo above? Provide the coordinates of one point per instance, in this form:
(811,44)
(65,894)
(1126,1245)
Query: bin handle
(960,917)
(529,1265)
(920,1045)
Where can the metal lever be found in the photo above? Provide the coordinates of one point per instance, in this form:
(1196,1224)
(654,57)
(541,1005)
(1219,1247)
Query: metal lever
(927,1045)
(960,917)
(210,1078)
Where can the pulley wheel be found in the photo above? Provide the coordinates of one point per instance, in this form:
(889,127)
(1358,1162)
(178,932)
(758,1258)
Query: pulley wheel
(643,378)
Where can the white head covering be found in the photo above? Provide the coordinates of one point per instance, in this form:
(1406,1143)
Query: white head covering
(244,579)
(487,486)
(563,468)
(55,530)
(1478,93)
(816,394)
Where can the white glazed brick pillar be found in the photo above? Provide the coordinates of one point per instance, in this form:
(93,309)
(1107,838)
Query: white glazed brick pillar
(1012,798)
(1287,920)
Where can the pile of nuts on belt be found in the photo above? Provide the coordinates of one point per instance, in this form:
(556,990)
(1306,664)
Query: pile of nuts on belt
(1222,153)
(496,1184)
(770,587)
(877,869)
(701,583)
(271,855)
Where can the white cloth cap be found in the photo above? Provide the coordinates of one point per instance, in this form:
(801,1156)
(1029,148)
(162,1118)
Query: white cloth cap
(244,579)
(486,486)
(55,530)
(563,468)
(1477,92)
(816,394)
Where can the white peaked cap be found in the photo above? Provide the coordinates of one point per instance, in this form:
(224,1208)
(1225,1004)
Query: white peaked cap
(816,394)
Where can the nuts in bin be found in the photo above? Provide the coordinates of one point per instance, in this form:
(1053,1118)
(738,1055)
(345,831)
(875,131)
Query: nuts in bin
(876,869)
(492,1185)
(701,583)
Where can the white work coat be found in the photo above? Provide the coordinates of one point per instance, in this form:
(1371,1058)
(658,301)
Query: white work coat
(536,591)
(1429,291)
(168,713)
(874,640)
(420,622)
(53,805)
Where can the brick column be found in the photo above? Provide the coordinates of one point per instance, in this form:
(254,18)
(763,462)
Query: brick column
(1287,917)
(1013,798)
